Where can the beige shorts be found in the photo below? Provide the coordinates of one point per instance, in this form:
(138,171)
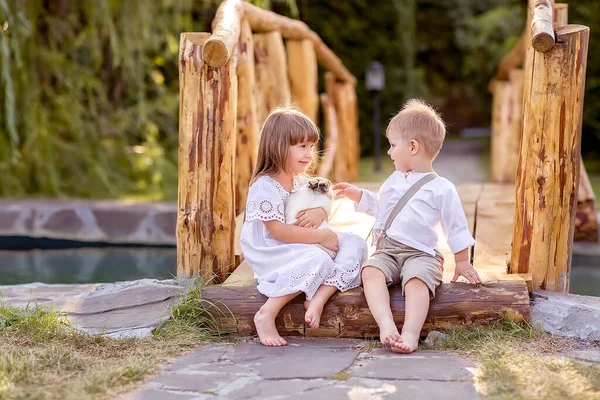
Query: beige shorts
(400,263)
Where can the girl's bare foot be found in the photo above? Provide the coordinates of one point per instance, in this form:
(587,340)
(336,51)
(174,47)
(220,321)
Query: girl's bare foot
(388,333)
(313,313)
(407,344)
(267,332)
(306,304)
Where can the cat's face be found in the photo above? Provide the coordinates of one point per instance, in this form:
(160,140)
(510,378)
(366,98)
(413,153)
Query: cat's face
(320,185)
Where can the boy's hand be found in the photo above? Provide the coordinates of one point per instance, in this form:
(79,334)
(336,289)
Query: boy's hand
(328,239)
(350,191)
(311,218)
(464,268)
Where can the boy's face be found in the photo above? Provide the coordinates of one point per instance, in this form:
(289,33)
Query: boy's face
(401,151)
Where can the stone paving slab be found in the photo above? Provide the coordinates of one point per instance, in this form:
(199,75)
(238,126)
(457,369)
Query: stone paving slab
(304,370)
(122,309)
(422,365)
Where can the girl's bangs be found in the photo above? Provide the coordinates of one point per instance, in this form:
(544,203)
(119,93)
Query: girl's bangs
(304,131)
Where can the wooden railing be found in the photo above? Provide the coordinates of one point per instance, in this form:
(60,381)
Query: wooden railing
(536,136)
(230,81)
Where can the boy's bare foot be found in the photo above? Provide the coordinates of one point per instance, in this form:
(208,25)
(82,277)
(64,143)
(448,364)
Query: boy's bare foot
(306,305)
(389,333)
(267,332)
(313,313)
(407,344)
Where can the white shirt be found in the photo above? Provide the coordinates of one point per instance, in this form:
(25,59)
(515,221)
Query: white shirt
(437,201)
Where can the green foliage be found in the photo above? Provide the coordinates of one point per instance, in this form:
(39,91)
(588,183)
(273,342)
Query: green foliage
(89,88)
(90,95)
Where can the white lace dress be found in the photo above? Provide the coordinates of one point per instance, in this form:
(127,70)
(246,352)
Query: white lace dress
(285,268)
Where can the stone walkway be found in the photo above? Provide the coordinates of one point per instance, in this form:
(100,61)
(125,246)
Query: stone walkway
(311,368)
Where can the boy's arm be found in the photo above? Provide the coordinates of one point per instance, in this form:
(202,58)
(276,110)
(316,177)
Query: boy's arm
(464,267)
(456,230)
(454,221)
(365,200)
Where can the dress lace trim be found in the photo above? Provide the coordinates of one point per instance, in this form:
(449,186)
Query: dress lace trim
(265,209)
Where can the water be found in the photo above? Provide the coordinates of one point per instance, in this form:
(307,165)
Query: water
(107,264)
(585,275)
(87,265)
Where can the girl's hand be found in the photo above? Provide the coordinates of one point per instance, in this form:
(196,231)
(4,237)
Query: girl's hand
(350,191)
(328,239)
(311,218)
(465,269)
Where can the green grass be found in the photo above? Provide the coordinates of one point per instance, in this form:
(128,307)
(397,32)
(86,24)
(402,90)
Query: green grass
(366,169)
(595,181)
(517,361)
(43,357)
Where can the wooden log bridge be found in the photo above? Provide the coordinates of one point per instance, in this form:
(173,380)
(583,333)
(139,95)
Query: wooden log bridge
(523,221)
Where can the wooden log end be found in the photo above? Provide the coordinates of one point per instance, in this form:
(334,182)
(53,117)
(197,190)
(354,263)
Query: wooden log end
(543,42)
(215,53)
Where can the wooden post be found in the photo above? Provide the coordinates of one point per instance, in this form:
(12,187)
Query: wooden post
(271,73)
(542,30)
(507,111)
(302,71)
(548,173)
(500,116)
(331,136)
(247,122)
(207,123)
(560,17)
(347,152)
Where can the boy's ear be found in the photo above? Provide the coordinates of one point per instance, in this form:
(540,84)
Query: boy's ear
(414,147)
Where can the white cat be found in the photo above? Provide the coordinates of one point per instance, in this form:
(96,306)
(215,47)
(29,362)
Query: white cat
(316,193)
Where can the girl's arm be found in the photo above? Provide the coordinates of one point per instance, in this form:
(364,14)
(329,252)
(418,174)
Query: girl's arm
(294,234)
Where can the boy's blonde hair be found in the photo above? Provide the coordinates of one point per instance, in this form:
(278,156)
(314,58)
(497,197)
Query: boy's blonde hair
(283,128)
(419,121)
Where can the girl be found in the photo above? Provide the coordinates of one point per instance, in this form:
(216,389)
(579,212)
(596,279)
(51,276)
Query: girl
(283,259)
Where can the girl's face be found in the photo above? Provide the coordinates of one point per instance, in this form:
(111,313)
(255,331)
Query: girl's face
(299,157)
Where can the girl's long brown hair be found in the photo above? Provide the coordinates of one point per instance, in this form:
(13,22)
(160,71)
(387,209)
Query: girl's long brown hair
(283,128)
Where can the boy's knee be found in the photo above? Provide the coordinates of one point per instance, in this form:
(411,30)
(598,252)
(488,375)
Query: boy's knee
(371,273)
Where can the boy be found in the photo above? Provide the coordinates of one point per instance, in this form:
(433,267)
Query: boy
(410,204)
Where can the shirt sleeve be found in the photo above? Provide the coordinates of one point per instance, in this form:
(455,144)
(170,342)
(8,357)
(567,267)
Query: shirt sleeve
(369,203)
(264,203)
(454,221)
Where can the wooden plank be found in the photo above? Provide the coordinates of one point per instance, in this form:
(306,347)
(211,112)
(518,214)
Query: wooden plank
(347,314)
(494,227)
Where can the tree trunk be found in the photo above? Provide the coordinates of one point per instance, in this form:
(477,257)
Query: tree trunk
(302,71)
(548,173)
(247,121)
(207,123)
(347,313)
